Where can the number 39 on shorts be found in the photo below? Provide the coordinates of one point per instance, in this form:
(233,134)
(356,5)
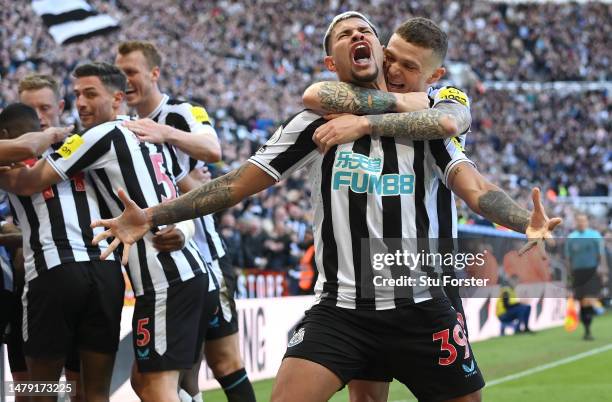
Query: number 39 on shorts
(448,350)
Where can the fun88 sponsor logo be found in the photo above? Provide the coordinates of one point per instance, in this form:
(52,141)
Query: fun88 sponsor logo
(363,174)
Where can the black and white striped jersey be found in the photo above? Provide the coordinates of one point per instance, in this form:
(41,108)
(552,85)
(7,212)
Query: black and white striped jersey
(55,223)
(373,188)
(441,206)
(189,118)
(115,158)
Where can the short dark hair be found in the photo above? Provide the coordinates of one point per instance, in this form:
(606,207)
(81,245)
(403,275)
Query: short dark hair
(111,76)
(425,33)
(148,50)
(339,18)
(18,118)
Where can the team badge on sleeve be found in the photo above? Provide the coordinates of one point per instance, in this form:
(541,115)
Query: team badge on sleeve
(453,94)
(69,146)
(199,113)
(297,337)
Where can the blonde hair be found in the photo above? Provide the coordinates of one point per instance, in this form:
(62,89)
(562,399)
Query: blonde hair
(35,82)
(148,50)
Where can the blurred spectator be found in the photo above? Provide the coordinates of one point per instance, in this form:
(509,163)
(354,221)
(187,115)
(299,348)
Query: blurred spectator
(297,221)
(232,239)
(253,239)
(278,248)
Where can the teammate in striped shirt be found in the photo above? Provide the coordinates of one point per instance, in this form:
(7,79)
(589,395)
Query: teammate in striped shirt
(41,92)
(187,128)
(170,287)
(342,334)
(62,268)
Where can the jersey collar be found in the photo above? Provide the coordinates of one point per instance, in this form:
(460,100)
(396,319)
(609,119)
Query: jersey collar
(156,111)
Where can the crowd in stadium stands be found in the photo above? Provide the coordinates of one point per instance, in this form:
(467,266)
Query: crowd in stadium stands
(248,63)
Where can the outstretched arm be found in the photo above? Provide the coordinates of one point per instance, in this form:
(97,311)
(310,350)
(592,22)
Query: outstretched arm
(488,200)
(218,194)
(213,196)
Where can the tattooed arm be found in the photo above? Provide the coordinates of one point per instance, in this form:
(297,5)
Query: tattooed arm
(218,194)
(428,124)
(443,121)
(488,200)
(416,122)
(213,196)
(341,97)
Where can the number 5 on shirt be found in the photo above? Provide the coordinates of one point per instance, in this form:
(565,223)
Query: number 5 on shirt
(162,178)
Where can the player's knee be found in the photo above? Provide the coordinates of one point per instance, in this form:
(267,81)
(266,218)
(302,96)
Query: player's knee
(149,394)
(278,394)
(136,382)
(223,361)
(222,368)
(280,388)
(476,396)
(368,391)
(190,384)
(362,397)
(94,392)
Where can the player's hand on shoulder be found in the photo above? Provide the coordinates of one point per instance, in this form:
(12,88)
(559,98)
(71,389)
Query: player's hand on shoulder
(147,130)
(412,101)
(50,136)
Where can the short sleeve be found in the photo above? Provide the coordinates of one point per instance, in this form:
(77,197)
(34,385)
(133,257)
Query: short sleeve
(290,147)
(84,152)
(449,94)
(192,119)
(446,154)
(451,98)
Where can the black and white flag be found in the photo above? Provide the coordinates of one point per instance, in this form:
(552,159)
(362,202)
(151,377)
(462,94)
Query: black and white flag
(73,20)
